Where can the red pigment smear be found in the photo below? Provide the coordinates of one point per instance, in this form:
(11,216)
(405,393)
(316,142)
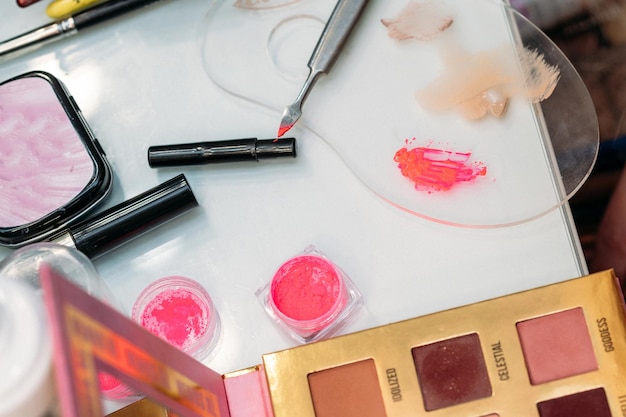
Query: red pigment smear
(177,316)
(306,288)
(435,169)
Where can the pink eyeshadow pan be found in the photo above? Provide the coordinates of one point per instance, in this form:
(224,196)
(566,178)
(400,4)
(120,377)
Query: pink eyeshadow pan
(556,346)
(179,311)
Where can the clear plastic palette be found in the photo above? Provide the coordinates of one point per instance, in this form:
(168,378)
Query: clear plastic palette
(376,78)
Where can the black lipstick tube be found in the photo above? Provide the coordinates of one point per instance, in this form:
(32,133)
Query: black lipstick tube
(233,150)
(130,219)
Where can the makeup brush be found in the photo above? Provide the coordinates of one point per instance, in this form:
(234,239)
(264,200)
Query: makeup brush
(337,29)
(71,25)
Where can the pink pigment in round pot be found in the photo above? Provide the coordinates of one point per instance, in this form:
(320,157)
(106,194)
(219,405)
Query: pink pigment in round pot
(307,292)
(179,311)
(113,388)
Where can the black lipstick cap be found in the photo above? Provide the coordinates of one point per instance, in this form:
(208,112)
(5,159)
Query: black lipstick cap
(234,150)
(131,218)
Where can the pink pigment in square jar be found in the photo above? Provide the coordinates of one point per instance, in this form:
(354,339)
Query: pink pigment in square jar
(180,311)
(309,297)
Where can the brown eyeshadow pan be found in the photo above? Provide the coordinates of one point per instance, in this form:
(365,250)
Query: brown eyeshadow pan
(350,390)
(451,372)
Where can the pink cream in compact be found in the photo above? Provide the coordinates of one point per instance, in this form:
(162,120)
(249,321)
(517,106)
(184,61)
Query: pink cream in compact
(52,169)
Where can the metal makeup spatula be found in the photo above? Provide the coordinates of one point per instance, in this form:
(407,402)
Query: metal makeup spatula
(337,29)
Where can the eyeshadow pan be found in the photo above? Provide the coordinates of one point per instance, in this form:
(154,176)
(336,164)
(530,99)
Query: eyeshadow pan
(556,346)
(350,390)
(583,404)
(451,372)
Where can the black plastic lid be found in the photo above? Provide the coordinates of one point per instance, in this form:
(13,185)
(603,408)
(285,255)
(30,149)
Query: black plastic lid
(134,217)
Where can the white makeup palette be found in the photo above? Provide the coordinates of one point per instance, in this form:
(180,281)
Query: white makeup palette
(423,84)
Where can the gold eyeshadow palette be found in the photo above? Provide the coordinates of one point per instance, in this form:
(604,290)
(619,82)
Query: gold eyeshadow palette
(558,350)
(554,351)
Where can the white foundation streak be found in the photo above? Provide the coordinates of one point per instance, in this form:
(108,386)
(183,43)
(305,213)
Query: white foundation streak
(419,20)
(540,78)
(482,83)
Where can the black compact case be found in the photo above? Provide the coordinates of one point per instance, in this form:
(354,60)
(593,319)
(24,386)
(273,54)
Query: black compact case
(52,168)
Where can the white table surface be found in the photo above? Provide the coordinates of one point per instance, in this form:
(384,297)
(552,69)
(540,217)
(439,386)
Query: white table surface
(140,81)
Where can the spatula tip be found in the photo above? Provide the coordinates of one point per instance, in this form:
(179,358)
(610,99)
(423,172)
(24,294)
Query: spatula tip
(291,114)
(283,129)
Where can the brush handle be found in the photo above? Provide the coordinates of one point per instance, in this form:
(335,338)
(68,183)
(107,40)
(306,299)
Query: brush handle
(332,39)
(107,10)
